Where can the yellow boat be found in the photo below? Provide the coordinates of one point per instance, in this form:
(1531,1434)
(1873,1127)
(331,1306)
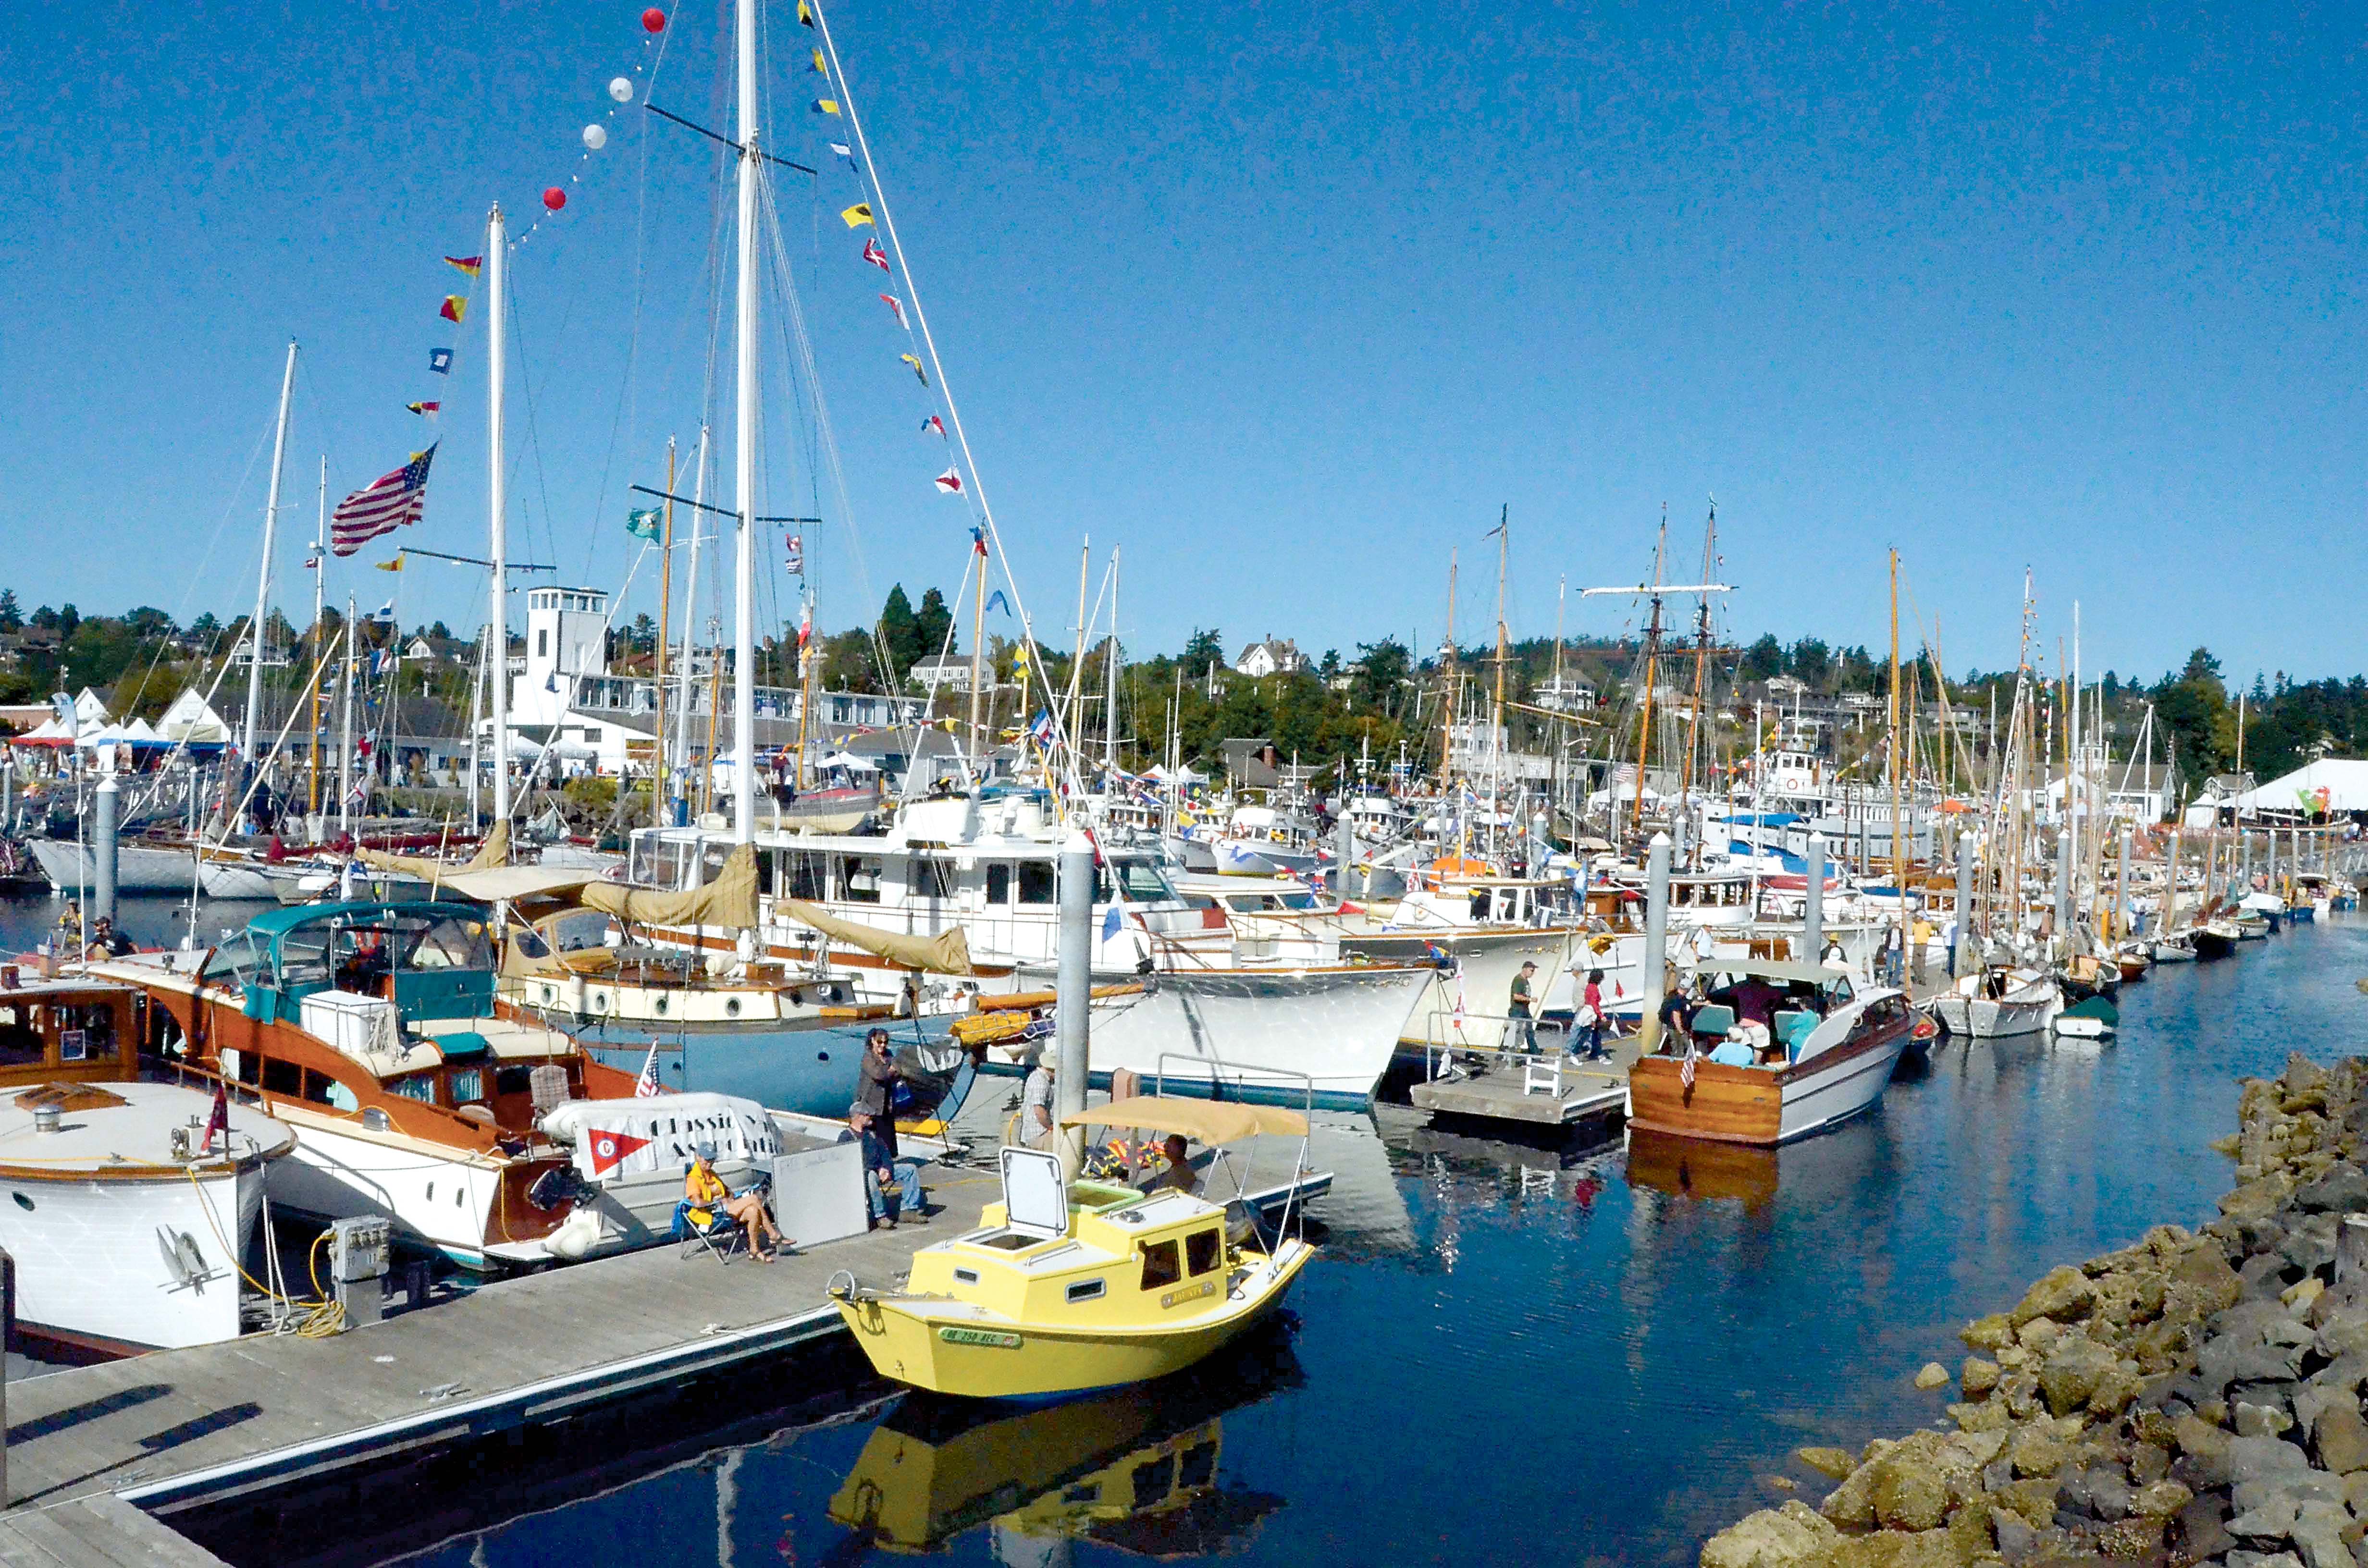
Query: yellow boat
(1070,1287)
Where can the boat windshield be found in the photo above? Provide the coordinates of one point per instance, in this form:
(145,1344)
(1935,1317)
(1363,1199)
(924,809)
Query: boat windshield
(1137,881)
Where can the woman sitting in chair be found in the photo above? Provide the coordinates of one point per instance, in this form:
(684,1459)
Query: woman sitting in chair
(705,1194)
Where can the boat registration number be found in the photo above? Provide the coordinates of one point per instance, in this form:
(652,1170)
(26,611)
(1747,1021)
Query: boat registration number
(1190,1293)
(992,1338)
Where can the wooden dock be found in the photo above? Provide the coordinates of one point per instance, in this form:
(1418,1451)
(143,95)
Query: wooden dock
(101,1531)
(176,1428)
(1556,1094)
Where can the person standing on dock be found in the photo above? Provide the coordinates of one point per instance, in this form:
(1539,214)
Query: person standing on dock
(1524,1019)
(1036,1104)
(1589,1016)
(875,1087)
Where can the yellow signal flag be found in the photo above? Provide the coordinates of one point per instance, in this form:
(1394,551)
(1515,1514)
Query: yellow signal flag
(819,68)
(805,14)
(393,565)
(858,215)
(914,361)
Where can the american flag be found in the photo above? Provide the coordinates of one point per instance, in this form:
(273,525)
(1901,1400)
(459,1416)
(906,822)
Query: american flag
(383,506)
(1686,1072)
(647,1084)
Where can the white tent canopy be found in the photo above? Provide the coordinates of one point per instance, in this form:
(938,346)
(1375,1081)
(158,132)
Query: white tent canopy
(2345,779)
(849,761)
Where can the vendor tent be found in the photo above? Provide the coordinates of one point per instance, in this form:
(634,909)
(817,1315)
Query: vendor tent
(2332,785)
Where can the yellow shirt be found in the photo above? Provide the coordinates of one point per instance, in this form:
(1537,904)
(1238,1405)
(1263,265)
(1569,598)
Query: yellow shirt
(703,1186)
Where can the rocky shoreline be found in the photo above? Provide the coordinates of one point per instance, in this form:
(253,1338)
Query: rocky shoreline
(2192,1398)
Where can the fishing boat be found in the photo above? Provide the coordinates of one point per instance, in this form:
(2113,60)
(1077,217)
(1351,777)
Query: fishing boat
(1816,1072)
(1997,1004)
(1071,1287)
(2215,938)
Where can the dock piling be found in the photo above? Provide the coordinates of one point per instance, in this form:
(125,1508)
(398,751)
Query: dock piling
(1964,903)
(103,840)
(1656,939)
(1813,908)
(1073,992)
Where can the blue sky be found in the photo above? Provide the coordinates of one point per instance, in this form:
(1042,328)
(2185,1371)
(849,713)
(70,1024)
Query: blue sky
(1286,301)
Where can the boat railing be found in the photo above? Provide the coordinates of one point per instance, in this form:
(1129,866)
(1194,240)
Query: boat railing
(1284,1078)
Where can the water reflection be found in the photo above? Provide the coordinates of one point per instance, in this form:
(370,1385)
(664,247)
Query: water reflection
(1690,1168)
(1135,1469)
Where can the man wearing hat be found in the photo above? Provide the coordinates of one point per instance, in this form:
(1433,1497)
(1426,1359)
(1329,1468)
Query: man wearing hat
(882,1170)
(1036,1104)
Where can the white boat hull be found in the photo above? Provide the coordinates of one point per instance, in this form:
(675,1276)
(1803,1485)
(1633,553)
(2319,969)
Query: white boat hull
(1258,1033)
(73,868)
(91,1267)
(439,1198)
(1826,1098)
(1986,1018)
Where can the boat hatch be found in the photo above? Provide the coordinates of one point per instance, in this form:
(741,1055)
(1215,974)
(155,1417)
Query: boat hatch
(1035,1198)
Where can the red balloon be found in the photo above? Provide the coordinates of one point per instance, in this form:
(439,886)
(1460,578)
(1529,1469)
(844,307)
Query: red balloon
(654,20)
(554,198)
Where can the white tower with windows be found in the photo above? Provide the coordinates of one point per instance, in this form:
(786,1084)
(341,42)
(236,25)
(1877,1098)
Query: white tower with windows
(566,635)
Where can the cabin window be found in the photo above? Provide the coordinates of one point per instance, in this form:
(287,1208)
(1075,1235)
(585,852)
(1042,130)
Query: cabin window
(305,957)
(1159,1264)
(1198,1465)
(858,879)
(1138,882)
(468,1083)
(710,860)
(238,1064)
(1036,883)
(413,1087)
(514,1081)
(578,930)
(452,944)
(1201,1251)
(20,1043)
(932,878)
(802,874)
(1154,1481)
(1086,1291)
(282,1078)
(321,1089)
(998,883)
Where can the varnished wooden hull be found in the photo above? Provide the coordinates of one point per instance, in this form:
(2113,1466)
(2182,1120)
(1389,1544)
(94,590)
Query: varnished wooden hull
(1753,1105)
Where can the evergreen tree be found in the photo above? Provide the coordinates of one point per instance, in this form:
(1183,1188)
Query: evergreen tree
(933,624)
(12,619)
(1204,650)
(900,631)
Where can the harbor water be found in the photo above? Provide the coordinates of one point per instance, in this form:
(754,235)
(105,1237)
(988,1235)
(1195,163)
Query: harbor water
(1506,1352)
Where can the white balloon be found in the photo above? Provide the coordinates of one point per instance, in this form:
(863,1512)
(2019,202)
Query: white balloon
(594,138)
(621,90)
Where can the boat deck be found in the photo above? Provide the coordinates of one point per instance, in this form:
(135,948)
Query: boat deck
(1497,1094)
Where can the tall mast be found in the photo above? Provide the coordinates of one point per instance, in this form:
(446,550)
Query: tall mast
(1497,719)
(1702,664)
(1110,681)
(1652,665)
(690,607)
(1447,686)
(659,774)
(345,731)
(744,455)
(263,582)
(1073,717)
(1898,860)
(977,657)
(320,572)
(496,505)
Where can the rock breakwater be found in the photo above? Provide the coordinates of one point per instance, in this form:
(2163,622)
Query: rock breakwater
(2195,1397)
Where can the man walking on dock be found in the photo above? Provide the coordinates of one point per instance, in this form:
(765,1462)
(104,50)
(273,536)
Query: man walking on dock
(1524,1019)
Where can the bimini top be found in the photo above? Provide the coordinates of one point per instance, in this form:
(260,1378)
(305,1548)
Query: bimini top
(1206,1121)
(279,922)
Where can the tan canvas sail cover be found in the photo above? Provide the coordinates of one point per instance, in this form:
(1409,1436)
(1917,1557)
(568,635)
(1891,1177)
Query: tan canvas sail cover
(493,851)
(729,901)
(948,952)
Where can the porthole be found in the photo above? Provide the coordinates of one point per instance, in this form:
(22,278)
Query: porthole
(599,1001)
(22,1201)
(822,1056)
(1085,1290)
(731,1008)
(661,1005)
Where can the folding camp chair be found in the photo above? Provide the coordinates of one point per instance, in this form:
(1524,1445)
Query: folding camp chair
(721,1236)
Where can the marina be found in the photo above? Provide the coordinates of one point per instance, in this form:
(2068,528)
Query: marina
(775,1000)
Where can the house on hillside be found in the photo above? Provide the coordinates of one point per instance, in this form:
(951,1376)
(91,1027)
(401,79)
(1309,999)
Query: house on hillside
(1271,656)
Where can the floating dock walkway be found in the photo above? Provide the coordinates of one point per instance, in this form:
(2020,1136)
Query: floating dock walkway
(1550,1090)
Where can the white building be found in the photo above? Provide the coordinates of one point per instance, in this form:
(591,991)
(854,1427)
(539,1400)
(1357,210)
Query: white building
(562,695)
(1271,656)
